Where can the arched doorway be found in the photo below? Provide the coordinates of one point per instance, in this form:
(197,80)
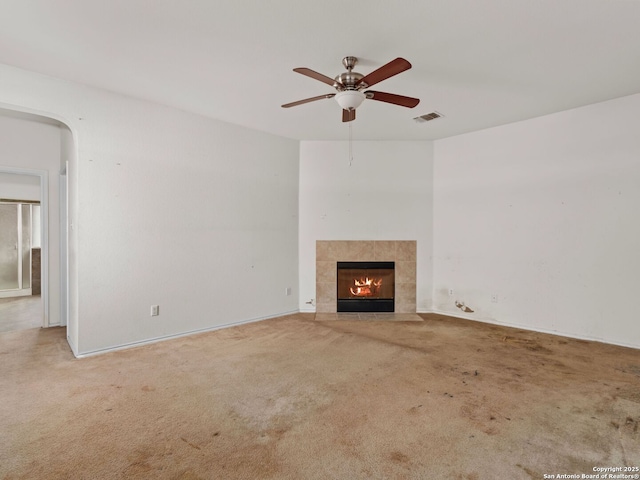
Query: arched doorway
(33,147)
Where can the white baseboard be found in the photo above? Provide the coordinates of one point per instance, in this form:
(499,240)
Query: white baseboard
(558,333)
(22,292)
(177,335)
(460,315)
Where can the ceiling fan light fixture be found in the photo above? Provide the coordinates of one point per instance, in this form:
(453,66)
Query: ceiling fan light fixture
(350,86)
(350,99)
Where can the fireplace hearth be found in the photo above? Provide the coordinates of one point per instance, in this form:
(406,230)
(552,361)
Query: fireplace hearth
(365,286)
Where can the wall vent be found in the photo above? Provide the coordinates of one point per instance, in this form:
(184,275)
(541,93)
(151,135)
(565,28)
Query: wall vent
(427,117)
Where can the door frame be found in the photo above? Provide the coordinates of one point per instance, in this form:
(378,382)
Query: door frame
(44,222)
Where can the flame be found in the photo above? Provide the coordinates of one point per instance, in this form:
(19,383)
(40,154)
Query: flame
(365,287)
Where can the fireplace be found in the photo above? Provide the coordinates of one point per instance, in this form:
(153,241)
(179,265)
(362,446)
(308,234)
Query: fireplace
(403,254)
(366,287)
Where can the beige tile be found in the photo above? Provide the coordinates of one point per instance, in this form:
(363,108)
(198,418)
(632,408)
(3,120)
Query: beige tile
(340,250)
(405,308)
(385,250)
(326,250)
(360,251)
(326,292)
(400,317)
(406,250)
(322,250)
(326,271)
(406,317)
(322,317)
(405,272)
(325,308)
(348,316)
(370,317)
(385,315)
(406,293)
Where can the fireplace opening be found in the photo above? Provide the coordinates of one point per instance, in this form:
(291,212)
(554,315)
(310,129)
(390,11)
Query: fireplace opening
(366,287)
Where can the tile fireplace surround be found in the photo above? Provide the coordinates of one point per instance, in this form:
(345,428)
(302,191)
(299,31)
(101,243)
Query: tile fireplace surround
(402,252)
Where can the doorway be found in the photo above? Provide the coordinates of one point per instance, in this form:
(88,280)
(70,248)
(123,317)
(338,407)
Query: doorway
(22,300)
(40,146)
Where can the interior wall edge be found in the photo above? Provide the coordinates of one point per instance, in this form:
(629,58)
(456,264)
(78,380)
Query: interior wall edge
(72,345)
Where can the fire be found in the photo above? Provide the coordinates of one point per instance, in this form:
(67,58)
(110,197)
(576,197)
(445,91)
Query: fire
(365,287)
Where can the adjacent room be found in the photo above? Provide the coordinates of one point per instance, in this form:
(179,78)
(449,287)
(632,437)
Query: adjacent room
(294,240)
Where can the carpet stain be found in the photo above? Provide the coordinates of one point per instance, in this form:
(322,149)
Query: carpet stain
(189,475)
(530,472)
(190,444)
(631,394)
(528,343)
(139,464)
(399,457)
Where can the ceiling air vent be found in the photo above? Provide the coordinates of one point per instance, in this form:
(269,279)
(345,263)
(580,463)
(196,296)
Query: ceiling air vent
(427,117)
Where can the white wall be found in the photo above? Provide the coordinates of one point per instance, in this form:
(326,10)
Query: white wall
(30,143)
(144,174)
(384,194)
(544,214)
(17,187)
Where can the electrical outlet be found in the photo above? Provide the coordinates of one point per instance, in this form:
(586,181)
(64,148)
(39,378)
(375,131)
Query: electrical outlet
(451,292)
(287,291)
(494,298)
(155,310)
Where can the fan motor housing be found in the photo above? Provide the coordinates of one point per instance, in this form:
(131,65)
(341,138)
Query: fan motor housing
(348,80)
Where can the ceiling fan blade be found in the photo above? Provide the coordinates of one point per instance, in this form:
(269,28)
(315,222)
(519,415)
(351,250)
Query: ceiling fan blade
(307,100)
(348,115)
(318,76)
(401,100)
(392,68)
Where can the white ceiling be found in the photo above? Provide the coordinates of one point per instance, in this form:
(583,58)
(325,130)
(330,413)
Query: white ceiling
(480,63)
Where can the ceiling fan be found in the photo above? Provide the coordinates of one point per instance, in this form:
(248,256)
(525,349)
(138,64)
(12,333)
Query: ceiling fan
(351,86)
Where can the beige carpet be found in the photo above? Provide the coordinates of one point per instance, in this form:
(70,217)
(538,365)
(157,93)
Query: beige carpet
(299,398)
(20,313)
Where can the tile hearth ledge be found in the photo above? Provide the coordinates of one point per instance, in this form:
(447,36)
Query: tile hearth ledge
(389,317)
(329,252)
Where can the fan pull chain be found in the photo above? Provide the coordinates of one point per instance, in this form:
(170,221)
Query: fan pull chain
(350,144)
